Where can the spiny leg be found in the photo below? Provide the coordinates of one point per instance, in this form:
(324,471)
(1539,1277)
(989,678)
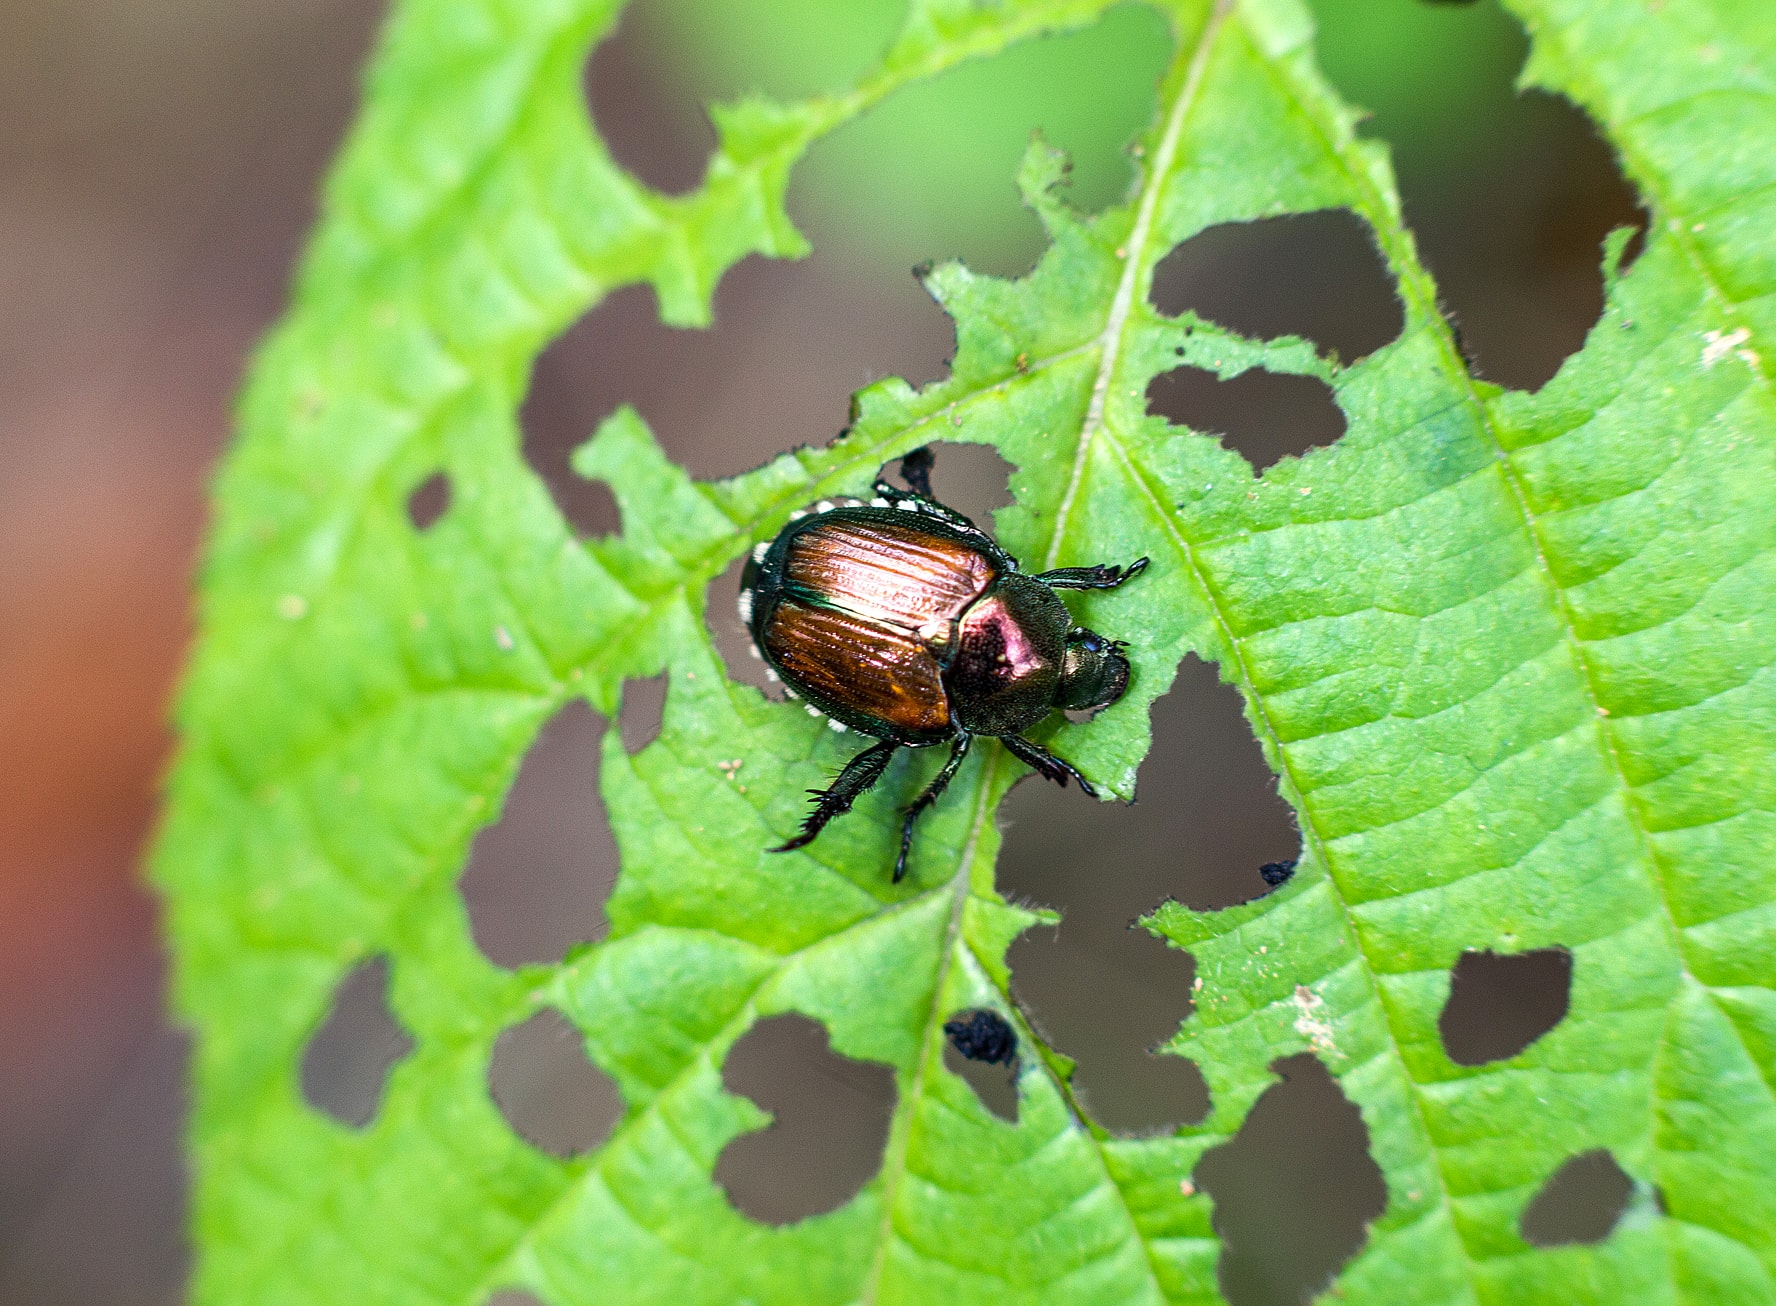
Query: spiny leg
(933,791)
(1101,577)
(1046,764)
(916,467)
(915,470)
(860,773)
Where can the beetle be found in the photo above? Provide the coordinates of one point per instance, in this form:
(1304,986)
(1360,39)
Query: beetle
(903,620)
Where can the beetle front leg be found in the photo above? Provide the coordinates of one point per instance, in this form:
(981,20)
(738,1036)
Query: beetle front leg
(1101,577)
(933,791)
(860,773)
(1046,764)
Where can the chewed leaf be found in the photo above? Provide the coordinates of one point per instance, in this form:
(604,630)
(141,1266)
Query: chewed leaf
(1509,656)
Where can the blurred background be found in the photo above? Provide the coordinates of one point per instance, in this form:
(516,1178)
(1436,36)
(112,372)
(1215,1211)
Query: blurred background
(158,166)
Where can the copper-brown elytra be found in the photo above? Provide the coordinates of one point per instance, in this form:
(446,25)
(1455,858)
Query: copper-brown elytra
(903,620)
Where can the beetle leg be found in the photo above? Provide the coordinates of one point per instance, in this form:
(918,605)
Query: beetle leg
(892,496)
(1101,577)
(860,773)
(933,791)
(1046,764)
(915,470)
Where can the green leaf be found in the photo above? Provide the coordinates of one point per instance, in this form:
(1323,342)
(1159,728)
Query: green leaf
(1509,654)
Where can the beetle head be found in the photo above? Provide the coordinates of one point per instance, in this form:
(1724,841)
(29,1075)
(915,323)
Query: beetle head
(1094,673)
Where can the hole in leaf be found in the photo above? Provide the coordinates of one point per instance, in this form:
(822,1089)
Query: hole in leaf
(784,49)
(588,506)
(995,1086)
(1314,275)
(1509,196)
(1109,1006)
(643,710)
(547,1089)
(926,173)
(553,427)
(649,117)
(790,342)
(515,1297)
(347,1063)
(429,501)
(831,1122)
(974,479)
(538,878)
(1262,415)
(1207,818)
(1294,1190)
(1500,1003)
(1580,1203)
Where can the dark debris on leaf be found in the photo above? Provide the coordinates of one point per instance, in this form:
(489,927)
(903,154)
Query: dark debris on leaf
(1277,874)
(982,1035)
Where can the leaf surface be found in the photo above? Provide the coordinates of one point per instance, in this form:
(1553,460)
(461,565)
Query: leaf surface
(1509,654)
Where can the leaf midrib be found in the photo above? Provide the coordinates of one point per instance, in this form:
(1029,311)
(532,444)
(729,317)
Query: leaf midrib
(906,1109)
(955,950)
(1413,283)
(1110,339)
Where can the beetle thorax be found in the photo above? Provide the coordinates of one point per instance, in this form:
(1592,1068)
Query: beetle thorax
(1007,661)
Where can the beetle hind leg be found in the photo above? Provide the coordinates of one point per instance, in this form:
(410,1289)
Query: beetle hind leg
(915,470)
(1046,764)
(1101,577)
(858,777)
(933,791)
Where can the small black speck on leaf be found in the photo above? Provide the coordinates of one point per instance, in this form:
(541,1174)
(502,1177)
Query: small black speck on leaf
(1277,873)
(982,1035)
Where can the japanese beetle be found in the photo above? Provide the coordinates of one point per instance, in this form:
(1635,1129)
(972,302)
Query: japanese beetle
(903,620)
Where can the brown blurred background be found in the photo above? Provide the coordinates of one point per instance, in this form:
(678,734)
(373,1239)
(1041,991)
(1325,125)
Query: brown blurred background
(158,163)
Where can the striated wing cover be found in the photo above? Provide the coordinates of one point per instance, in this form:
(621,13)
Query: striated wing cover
(887,572)
(859,666)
